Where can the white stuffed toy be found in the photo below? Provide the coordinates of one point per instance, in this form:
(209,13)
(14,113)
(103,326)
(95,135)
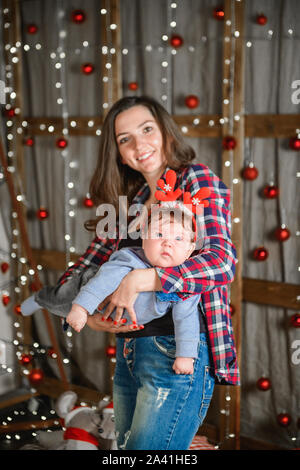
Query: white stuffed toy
(85,428)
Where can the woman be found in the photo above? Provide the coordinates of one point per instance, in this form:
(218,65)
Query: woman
(154,407)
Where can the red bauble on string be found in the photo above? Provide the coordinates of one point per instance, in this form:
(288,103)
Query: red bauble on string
(4,267)
(295,320)
(36,376)
(29,142)
(52,353)
(133,86)
(250,172)
(294,143)
(42,213)
(78,16)
(32,28)
(263,384)
(282,233)
(229,143)
(5,299)
(17,309)
(176,41)
(284,419)
(219,13)
(260,253)
(61,143)
(261,19)
(191,101)
(26,359)
(9,113)
(110,351)
(87,202)
(87,69)
(271,191)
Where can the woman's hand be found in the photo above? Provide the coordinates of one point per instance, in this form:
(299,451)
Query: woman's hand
(96,323)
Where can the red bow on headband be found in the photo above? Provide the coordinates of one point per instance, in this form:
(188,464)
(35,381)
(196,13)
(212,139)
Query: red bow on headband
(168,194)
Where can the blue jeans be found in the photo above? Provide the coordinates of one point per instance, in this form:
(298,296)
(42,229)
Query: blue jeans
(156,409)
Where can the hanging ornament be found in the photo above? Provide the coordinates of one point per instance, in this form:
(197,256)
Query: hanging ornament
(294,143)
(32,28)
(263,384)
(250,172)
(133,86)
(61,143)
(9,113)
(282,233)
(52,353)
(78,16)
(87,69)
(260,253)
(5,299)
(261,19)
(110,351)
(87,202)
(191,101)
(17,309)
(229,143)
(29,142)
(284,419)
(42,213)
(271,191)
(26,359)
(4,267)
(176,41)
(295,320)
(36,376)
(219,13)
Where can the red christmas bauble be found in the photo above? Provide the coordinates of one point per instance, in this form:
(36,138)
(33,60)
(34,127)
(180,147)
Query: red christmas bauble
(42,213)
(284,419)
(61,143)
(36,376)
(261,19)
(250,173)
(294,143)
(282,234)
(219,13)
(17,309)
(4,267)
(32,28)
(133,86)
(260,253)
(9,113)
(87,69)
(26,359)
(295,320)
(52,353)
(5,299)
(78,16)
(176,41)
(87,202)
(29,142)
(110,351)
(229,143)
(263,384)
(191,101)
(271,191)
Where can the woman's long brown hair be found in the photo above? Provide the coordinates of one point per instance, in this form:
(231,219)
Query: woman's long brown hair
(111,178)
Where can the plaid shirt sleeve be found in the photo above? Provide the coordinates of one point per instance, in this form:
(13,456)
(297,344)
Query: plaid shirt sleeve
(214,265)
(97,253)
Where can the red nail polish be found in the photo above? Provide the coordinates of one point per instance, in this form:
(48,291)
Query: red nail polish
(123,320)
(142,327)
(115,322)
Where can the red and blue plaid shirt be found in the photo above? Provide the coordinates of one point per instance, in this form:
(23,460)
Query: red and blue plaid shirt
(208,272)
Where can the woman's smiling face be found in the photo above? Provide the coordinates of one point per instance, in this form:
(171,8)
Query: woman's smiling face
(140,141)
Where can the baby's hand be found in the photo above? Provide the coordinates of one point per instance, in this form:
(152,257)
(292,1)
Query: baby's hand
(183,365)
(77,317)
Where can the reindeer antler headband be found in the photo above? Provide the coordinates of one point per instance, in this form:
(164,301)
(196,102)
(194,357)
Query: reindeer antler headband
(194,203)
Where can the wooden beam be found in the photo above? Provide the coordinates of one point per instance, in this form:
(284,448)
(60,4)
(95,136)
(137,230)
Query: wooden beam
(29,425)
(255,125)
(276,294)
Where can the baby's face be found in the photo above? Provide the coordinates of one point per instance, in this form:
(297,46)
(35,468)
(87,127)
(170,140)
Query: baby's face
(167,245)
